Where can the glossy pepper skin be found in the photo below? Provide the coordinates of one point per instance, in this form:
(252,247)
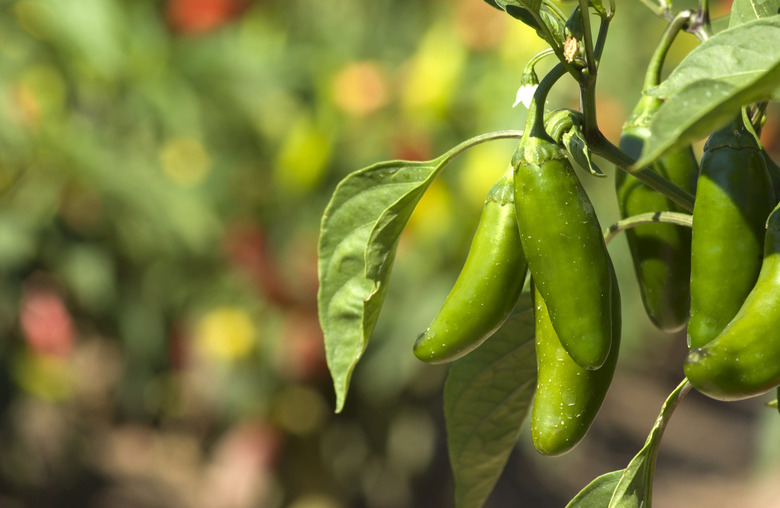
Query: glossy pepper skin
(744,360)
(568,397)
(733,199)
(488,286)
(565,249)
(661,252)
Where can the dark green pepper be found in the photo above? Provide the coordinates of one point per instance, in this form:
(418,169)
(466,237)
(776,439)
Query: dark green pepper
(565,249)
(744,360)
(774,172)
(661,252)
(568,397)
(733,199)
(488,286)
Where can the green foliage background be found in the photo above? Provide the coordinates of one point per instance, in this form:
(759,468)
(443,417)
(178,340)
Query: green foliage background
(163,169)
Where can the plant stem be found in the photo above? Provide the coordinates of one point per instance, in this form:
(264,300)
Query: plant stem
(587,35)
(476,140)
(535,120)
(679,219)
(554,44)
(529,67)
(601,39)
(590,124)
(588,86)
(657,9)
(704,10)
(653,74)
(602,147)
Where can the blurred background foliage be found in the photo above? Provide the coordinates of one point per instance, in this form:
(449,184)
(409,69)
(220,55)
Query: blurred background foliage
(163,169)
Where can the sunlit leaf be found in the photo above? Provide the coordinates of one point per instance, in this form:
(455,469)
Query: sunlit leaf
(352,280)
(574,141)
(632,487)
(598,492)
(486,399)
(733,68)
(748,10)
(635,488)
(534,13)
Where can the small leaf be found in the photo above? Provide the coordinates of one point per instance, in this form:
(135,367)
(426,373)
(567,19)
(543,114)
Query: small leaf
(574,141)
(743,11)
(733,68)
(358,236)
(486,399)
(598,492)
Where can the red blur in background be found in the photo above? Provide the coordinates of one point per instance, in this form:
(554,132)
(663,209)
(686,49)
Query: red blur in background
(201,16)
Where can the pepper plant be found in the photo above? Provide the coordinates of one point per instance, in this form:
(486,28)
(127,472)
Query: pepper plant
(533,323)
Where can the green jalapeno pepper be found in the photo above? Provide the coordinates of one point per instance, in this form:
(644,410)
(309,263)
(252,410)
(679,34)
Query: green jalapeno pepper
(565,249)
(488,286)
(744,360)
(661,252)
(774,172)
(733,199)
(568,397)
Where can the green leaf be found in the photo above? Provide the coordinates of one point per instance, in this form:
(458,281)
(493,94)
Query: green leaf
(574,141)
(533,13)
(635,488)
(632,487)
(733,68)
(598,492)
(355,258)
(531,5)
(358,238)
(743,11)
(487,396)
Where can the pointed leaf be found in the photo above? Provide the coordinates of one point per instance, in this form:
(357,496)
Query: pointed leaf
(358,236)
(743,11)
(598,492)
(574,141)
(632,487)
(733,68)
(533,13)
(635,488)
(486,399)
(531,5)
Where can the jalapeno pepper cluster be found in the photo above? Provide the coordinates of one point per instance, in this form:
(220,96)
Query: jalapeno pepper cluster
(735,273)
(538,218)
